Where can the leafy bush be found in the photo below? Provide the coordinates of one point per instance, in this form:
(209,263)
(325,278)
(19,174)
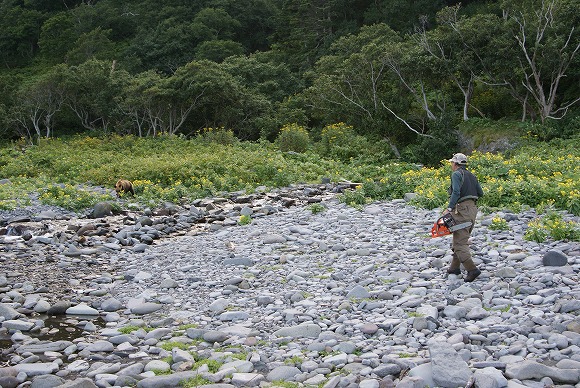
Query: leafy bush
(218,135)
(553,226)
(339,141)
(71,197)
(316,208)
(498,223)
(245,220)
(293,137)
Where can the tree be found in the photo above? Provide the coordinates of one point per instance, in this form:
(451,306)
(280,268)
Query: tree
(461,48)
(38,100)
(57,37)
(548,42)
(92,45)
(363,83)
(90,93)
(218,50)
(19,31)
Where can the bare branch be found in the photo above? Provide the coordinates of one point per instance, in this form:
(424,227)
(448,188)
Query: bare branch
(406,123)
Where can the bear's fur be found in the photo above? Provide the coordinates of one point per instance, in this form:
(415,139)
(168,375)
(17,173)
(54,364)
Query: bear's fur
(124,186)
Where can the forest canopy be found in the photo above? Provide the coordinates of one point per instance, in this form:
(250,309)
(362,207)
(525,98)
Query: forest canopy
(404,73)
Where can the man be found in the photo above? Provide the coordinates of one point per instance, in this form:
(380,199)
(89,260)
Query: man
(464,192)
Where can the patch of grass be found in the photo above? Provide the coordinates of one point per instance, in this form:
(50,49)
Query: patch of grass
(174,344)
(284,384)
(131,328)
(188,326)
(196,381)
(213,365)
(245,220)
(294,360)
(172,169)
(316,208)
(159,372)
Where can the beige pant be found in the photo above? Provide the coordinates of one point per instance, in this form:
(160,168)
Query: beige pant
(463,212)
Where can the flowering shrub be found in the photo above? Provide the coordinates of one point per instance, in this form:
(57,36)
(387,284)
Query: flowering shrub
(293,137)
(552,224)
(218,135)
(498,223)
(71,197)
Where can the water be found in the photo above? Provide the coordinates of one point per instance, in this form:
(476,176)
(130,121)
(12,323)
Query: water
(56,328)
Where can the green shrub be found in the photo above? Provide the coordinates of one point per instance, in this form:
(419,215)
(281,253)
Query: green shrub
(245,220)
(552,224)
(340,141)
(293,137)
(316,208)
(498,223)
(355,198)
(72,198)
(218,135)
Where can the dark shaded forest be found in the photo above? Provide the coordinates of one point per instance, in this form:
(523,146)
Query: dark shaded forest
(405,73)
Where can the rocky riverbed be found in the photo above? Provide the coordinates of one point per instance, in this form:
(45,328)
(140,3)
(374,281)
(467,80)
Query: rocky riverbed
(340,298)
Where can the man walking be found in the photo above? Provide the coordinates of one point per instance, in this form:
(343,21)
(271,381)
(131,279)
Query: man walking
(464,192)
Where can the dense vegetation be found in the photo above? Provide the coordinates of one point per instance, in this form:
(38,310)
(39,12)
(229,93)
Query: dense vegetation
(179,170)
(404,75)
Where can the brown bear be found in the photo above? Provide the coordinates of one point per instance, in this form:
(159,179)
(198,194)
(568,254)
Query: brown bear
(124,186)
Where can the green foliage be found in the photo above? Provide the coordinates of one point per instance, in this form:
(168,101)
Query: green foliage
(213,365)
(553,225)
(71,197)
(498,223)
(339,141)
(219,136)
(174,344)
(128,329)
(355,198)
(161,372)
(316,208)
(293,137)
(196,381)
(245,220)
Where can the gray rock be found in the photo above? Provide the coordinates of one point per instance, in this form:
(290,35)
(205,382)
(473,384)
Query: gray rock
(358,292)
(111,304)
(274,239)
(37,369)
(247,379)
(146,308)
(8,313)
(300,331)
(42,347)
(489,378)
(102,209)
(17,324)
(164,381)
(47,381)
(283,373)
(449,369)
(59,308)
(212,336)
(555,258)
(239,261)
(530,369)
(82,309)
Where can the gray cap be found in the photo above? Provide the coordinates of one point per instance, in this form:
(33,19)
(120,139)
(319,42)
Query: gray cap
(459,158)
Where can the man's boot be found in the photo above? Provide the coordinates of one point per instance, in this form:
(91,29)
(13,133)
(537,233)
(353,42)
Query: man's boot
(454,271)
(472,275)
